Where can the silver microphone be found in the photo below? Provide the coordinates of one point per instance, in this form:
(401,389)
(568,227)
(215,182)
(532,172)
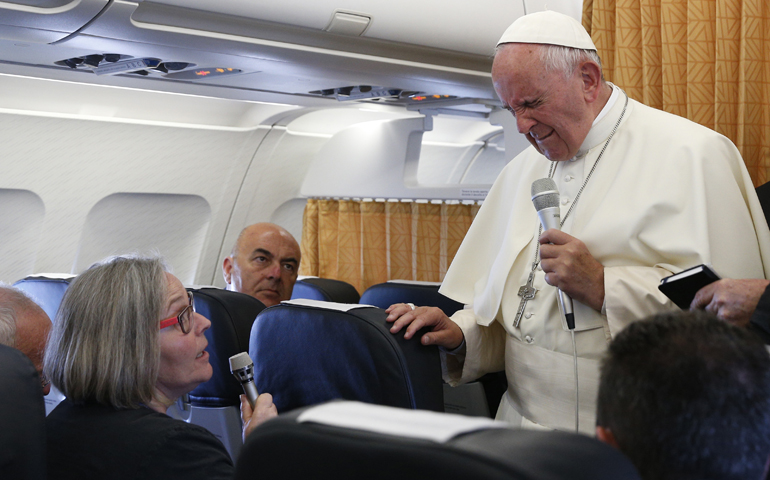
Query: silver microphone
(243,368)
(545,196)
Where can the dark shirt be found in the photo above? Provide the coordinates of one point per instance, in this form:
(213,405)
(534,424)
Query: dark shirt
(22,413)
(760,319)
(98,441)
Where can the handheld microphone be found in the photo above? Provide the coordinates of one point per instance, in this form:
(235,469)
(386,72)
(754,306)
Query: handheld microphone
(545,196)
(243,368)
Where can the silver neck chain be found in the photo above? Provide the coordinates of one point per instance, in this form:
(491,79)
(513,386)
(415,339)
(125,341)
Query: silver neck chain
(552,171)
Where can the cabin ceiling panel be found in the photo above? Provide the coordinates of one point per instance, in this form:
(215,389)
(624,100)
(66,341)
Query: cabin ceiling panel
(434,23)
(45,21)
(272,58)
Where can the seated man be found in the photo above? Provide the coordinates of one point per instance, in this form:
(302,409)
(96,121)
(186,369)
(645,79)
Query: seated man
(24,326)
(263,263)
(685,395)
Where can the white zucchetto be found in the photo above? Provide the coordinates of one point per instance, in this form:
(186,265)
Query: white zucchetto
(550,28)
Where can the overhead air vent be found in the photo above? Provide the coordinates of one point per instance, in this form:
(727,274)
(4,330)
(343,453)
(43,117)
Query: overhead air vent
(348,23)
(363,92)
(116,64)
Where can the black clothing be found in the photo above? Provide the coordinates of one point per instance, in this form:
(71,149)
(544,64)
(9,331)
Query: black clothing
(98,441)
(22,413)
(760,319)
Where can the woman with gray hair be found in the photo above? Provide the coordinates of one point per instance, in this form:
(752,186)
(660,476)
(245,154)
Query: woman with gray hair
(125,345)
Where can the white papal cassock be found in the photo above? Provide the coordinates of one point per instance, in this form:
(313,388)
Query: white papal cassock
(666,195)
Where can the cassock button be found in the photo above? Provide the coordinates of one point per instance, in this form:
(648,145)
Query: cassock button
(564,200)
(528,315)
(529,339)
(568,178)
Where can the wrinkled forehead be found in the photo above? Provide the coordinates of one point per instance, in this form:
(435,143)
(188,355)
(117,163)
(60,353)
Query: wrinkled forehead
(174,289)
(276,242)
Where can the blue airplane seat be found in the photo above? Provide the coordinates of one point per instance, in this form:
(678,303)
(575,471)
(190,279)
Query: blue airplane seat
(479,398)
(307,352)
(216,404)
(426,294)
(46,289)
(325,289)
(350,441)
(22,416)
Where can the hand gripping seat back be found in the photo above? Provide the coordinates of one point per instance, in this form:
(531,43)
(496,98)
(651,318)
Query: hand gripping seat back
(22,417)
(325,289)
(386,294)
(304,355)
(480,397)
(285,448)
(232,315)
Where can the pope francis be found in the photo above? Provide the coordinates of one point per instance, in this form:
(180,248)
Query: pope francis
(643,194)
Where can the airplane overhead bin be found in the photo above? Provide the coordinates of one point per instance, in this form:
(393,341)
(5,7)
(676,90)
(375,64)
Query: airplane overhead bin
(45,21)
(387,51)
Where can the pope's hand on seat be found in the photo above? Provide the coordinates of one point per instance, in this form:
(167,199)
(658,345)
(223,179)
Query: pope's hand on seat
(445,332)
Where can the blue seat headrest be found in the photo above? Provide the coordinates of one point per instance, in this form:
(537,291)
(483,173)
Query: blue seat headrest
(231,315)
(325,289)
(386,294)
(45,291)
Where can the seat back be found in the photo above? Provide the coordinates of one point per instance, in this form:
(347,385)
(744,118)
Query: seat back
(215,404)
(46,289)
(22,416)
(479,398)
(308,352)
(426,294)
(349,440)
(325,289)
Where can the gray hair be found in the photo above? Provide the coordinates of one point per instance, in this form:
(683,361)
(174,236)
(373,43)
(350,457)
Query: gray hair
(566,60)
(12,300)
(104,344)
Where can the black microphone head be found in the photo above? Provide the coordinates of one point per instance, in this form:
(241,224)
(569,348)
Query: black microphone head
(240,361)
(545,194)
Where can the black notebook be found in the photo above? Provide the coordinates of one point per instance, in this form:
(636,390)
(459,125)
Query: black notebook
(682,287)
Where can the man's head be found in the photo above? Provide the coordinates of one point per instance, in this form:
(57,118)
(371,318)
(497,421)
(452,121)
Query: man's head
(263,263)
(686,396)
(24,326)
(547,73)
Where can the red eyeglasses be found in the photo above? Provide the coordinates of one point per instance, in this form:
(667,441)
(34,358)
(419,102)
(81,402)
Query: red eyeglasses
(184,318)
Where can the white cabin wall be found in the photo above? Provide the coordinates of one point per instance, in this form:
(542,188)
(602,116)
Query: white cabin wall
(271,187)
(91,171)
(78,186)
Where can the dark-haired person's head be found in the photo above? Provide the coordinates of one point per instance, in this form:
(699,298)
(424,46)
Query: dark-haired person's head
(686,396)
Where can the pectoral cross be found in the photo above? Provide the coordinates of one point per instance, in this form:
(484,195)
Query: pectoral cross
(526,292)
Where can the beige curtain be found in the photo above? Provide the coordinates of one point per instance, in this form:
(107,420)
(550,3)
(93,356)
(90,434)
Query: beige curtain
(365,243)
(706,60)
